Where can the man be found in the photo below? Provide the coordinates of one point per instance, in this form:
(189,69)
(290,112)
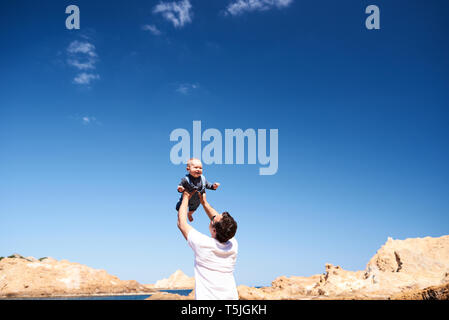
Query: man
(215,256)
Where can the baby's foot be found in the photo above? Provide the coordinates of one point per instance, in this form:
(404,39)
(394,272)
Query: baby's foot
(189,215)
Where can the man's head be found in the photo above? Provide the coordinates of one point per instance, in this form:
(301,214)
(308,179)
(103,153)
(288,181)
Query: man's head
(195,167)
(223,227)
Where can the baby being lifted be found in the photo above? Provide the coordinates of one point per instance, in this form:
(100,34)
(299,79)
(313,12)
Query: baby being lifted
(194,181)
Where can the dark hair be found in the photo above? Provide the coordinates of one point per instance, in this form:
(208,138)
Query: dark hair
(225,228)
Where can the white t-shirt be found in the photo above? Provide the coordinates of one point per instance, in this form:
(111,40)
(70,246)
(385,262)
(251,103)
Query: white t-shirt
(214,267)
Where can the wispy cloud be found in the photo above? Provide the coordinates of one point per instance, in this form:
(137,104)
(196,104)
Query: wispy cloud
(85,78)
(85,119)
(186,88)
(81,65)
(88,120)
(241,6)
(82,56)
(82,47)
(152,28)
(179,13)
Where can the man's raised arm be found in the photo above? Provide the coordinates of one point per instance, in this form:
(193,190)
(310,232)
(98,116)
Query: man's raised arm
(211,212)
(182,214)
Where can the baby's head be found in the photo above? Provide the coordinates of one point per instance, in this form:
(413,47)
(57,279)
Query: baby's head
(195,167)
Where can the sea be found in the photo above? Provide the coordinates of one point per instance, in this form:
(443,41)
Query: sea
(120,297)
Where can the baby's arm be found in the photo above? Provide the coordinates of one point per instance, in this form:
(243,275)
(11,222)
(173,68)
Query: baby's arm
(182,185)
(211,186)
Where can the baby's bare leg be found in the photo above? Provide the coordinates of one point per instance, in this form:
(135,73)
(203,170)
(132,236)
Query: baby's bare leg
(189,215)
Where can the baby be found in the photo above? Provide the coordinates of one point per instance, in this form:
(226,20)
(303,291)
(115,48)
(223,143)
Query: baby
(194,181)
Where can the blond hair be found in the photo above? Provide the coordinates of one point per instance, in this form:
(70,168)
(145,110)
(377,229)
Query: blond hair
(189,162)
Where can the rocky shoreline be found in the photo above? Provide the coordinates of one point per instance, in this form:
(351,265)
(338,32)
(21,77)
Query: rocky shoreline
(415,268)
(47,277)
(401,269)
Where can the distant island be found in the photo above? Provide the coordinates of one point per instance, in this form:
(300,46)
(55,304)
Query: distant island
(414,268)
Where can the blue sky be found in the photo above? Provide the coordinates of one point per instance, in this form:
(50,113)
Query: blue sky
(85,119)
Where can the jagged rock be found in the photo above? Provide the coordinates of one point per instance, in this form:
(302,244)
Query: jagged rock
(250,293)
(178,280)
(416,255)
(32,259)
(296,285)
(440,292)
(398,266)
(414,263)
(49,277)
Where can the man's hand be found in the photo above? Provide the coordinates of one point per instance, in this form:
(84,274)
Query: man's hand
(182,214)
(207,207)
(202,197)
(181,189)
(215,185)
(187,195)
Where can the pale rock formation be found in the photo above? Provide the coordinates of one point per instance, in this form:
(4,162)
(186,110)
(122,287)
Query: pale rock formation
(30,277)
(398,266)
(411,263)
(440,292)
(178,280)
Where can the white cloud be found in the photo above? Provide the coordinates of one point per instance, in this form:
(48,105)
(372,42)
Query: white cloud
(85,78)
(152,28)
(186,88)
(82,56)
(85,65)
(82,47)
(240,6)
(178,13)
(87,120)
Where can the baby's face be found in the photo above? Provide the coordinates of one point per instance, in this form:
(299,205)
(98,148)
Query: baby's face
(195,169)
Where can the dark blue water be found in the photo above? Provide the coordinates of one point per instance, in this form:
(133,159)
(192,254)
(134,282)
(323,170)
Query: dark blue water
(135,297)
